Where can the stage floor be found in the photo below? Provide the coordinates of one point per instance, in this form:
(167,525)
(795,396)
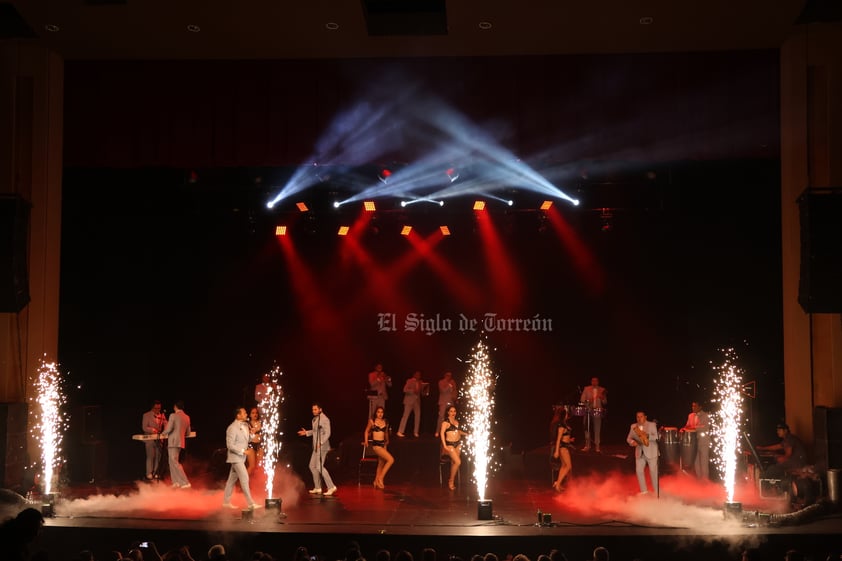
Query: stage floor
(600,506)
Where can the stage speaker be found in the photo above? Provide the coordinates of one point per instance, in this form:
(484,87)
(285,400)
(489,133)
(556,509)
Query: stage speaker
(90,423)
(14,272)
(820,285)
(88,462)
(12,444)
(827,431)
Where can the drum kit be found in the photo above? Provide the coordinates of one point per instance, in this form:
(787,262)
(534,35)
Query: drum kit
(583,410)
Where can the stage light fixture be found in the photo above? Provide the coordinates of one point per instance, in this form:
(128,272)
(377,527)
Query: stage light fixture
(343,230)
(369,206)
(406,230)
(445,231)
(384,175)
(452,174)
(546,205)
(280,230)
(302,207)
(479,205)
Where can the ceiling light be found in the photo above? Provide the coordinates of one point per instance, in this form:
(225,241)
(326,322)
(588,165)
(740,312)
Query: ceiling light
(52,28)
(331,26)
(369,206)
(280,230)
(343,230)
(479,205)
(546,205)
(485,25)
(302,207)
(193,28)
(445,231)
(406,230)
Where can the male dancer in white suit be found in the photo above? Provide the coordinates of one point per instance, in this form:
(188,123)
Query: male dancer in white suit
(237,442)
(643,436)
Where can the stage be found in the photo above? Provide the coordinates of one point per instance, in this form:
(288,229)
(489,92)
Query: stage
(600,506)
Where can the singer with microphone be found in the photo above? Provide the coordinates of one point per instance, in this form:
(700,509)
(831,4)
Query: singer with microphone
(643,437)
(320,432)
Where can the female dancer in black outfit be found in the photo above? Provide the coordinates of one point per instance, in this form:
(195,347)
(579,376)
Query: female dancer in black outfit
(451,443)
(561,449)
(376,435)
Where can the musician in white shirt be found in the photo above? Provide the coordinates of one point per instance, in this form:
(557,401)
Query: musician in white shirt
(154,422)
(699,421)
(595,398)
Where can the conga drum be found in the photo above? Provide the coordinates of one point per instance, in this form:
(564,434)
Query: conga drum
(688,448)
(670,447)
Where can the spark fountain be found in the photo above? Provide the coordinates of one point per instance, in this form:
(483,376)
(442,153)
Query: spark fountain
(270,418)
(49,427)
(480,393)
(727,427)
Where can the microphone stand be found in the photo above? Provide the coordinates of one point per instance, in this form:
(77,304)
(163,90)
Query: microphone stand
(319,451)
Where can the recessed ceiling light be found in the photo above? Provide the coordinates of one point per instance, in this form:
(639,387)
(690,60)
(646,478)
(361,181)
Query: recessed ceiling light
(52,28)
(647,20)
(332,26)
(193,28)
(485,25)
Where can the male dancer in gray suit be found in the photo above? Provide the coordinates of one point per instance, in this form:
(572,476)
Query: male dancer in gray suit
(178,427)
(321,446)
(237,441)
(643,436)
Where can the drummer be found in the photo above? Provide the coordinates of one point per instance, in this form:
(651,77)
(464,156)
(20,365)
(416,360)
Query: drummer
(698,421)
(595,399)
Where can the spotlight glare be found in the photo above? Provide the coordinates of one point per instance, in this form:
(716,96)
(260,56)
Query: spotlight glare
(270,204)
(479,205)
(445,231)
(575,202)
(336,204)
(441,203)
(343,230)
(302,207)
(403,204)
(280,230)
(369,206)
(406,230)
(510,202)
(546,205)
